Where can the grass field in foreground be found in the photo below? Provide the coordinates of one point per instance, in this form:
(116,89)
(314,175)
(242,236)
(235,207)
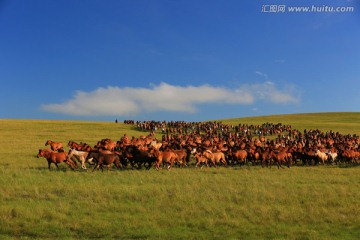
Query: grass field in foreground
(225,203)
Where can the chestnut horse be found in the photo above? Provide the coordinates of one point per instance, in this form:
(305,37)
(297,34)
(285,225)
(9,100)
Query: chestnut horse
(280,157)
(79,146)
(200,159)
(54,145)
(55,157)
(239,156)
(166,157)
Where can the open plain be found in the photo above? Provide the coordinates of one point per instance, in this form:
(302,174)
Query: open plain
(247,202)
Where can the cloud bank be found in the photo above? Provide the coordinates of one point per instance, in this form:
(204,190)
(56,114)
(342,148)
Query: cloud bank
(129,101)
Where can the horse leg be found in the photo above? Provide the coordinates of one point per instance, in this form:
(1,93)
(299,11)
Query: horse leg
(117,165)
(159,162)
(197,164)
(83,163)
(279,164)
(171,164)
(69,163)
(213,162)
(241,162)
(96,166)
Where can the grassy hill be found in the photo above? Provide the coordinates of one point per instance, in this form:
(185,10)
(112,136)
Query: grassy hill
(319,202)
(345,123)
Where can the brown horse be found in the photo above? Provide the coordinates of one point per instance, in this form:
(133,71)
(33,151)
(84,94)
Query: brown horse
(79,146)
(215,157)
(104,159)
(200,160)
(167,157)
(182,156)
(255,154)
(55,146)
(351,156)
(280,157)
(266,158)
(239,156)
(55,157)
(108,144)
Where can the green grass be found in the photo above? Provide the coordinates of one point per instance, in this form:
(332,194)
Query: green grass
(225,203)
(345,123)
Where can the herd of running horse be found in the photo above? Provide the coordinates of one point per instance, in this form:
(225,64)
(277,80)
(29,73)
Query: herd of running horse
(210,144)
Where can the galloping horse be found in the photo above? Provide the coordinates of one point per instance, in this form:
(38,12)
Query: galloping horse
(104,159)
(215,157)
(239,156)
(166,157)
(322,156)
(200,160)
(182,156)
(79,155)
(54,145)
(55,157)
(139,157)
(280,157)
(79,146)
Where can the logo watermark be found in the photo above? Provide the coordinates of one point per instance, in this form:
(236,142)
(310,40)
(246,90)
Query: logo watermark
(273,8)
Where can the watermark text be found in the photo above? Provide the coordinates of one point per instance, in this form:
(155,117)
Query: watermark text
(273,8)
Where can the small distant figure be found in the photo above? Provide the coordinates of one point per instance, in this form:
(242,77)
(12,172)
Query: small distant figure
(116,121)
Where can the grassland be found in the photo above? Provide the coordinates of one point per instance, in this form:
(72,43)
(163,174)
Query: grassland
(225,203)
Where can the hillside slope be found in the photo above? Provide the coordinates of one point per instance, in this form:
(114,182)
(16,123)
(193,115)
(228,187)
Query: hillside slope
(343,122)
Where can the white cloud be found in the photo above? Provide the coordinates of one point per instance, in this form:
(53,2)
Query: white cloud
(268,92)
(261,74)
(115,101)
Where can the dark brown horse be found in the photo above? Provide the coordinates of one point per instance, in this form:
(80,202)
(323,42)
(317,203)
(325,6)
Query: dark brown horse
(104,159)
(55,158)
(139,157)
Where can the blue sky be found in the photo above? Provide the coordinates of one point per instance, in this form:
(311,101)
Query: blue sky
(176,59)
